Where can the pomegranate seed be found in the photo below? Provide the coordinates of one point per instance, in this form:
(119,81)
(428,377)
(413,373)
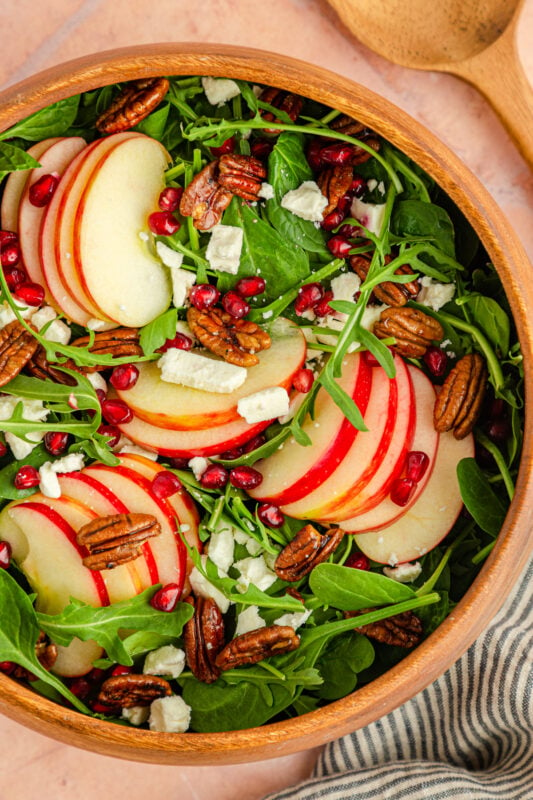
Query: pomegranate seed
(5,555)
(402,490)
(338,153)
(30,293)
(314,155)
(121,669)
(166,598)
(100,708)
(42,191)
(250,287)
(96,675)
(358,561)
(349,231)
(203,296)
(27,478)
(7,667)
(245,478)
(226,147)
(261,148)
(499,431)
(116,412)
(169,199)
(254,443)
(270,515)
(112,432)
(323,308)
(165,484)
(124,376)
(179,463)
(229,455)
(162,223)
(214,477)
(101,395)
(358,186)
(345,203)
(436,361)
(10,255)
(235,305)
(3,449)
(416,464)
(7,237)
(332,219)
(303,380)
(339,246)
(80,688)
(180,342)
(14,277)
(56,442)
(308,296)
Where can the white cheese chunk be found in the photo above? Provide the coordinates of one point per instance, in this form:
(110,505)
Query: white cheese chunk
(224,248)
(221,547)
(166,660)
(58,331)
(48,481)
(345,286)
(404,573)
(182,281)
(435,294)
(7,315)
(42,316)
(371,215)
(219,90)
(169,257)
(170,714)
(254,571)
(200,372)
(306,202)
(69,463)
(32,410)
(198,464)
(266,191)
(294,620)
(252,545)
(266,404)
(204,588)
(249,620)
(136,715)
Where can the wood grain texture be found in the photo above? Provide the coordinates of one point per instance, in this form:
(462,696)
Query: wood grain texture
(473,39)
(515,543)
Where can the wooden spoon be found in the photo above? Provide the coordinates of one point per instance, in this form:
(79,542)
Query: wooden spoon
(473,39)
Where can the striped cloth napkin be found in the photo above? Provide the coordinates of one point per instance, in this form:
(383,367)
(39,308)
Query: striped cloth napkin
(468,736)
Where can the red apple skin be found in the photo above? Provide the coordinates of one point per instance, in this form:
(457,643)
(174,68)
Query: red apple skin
(14,187)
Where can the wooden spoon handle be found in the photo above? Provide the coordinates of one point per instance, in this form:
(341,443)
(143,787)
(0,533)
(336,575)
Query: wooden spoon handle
(499,76)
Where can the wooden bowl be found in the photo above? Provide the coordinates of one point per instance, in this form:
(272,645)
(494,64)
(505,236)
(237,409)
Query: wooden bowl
(514,544)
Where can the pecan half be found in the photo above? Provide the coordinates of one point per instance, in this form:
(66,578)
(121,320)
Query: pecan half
(402,630)
(203,638)
(119,343)
(40,367)
(204,199)
(235,340)
(126,691)
(46,652)
(17,346)
(393,294)
(413,330)
(347,125)
(334,182)
(116,539)
(360,155)
(241,175)
(291,104)
(308,548)
(458,404)
(254,646)
(133,104)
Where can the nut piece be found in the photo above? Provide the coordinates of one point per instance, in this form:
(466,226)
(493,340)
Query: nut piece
(388,292)
(204,199)
(40,367)
(133,104)
(334,182)
(413,330)
(235,340)
(241,175)
(458,404)
(17,346)
(119,343)
(203,638)
(46,652)
(402,630)
(116,539)
(126,691)
(347,125)
(254,646)
(291,104)
(308,548)
(360,155)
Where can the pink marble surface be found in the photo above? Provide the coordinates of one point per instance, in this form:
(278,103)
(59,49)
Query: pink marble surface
(36,35)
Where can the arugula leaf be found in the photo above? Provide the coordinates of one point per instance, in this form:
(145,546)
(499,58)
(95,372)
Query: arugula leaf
(103,624)
(155,334)
(14,158)
(479,497)
(352,589)
(53,120)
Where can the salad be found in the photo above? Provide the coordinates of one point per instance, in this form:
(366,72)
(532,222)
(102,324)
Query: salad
(261,404)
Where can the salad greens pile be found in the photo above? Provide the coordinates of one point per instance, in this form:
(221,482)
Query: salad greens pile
(421,228)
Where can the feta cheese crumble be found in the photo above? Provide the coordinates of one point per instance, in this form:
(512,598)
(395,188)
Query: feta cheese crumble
(219,90)
(198,465)
(266,191)
(136,715)
(404,573)
(371,215)
(306,202)
(202,587)
(221,547)
(200,372)
(295,619)
(166,660)
(249,620)
(435,294)
(170,714)
(224,248)
(254,571)
(48,472)
(32,410)
(264,405)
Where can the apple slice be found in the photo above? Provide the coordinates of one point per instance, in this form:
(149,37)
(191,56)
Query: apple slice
(171,405)
(15,185)
(115,266)
(55,159)
(136,493)
(425,440)
(428,521)
(77,658)
(294,471)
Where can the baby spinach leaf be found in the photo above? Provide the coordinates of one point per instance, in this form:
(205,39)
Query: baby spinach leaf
(287,169)
(14,158)
(103,624)
(53,120)
(488,315)
(156,333)
(351,589)
(479,497)
(416,218)
(340,664)
(154,124)
(265,252)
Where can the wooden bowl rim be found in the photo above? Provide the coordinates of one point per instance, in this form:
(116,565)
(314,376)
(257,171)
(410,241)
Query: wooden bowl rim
(484,598)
